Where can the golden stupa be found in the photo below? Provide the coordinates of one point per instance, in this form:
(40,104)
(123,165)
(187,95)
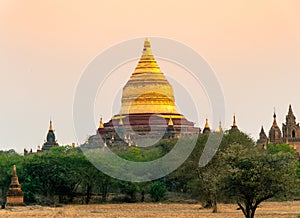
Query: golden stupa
(148,107)
(148,90)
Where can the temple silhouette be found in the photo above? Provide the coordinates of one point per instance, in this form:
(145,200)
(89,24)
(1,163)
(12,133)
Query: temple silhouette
(290,133)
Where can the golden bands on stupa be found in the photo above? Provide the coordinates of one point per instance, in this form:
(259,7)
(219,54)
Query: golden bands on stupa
(148,90)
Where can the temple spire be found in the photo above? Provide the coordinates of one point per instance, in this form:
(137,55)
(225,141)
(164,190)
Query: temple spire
(220,127)
(234,125)
(14,179)
(50,126)
(101,125)
(14,171)
(87,140)
(170,123)
(206,124)
(274,119)
(234,121)
(262,134)
(290,110)
(206,127)
(147,47)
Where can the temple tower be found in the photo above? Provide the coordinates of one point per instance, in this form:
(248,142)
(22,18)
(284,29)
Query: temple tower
(290,129)
(275,133)
(51,141)
(263,139)
(15,196)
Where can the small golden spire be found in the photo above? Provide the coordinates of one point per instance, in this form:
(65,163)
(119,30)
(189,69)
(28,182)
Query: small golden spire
(50,127)
(220,127)
(206,124)
(147,43)
(147,48)
(39,148)
(101,125)
(234,121)
(170,123)
(87,140)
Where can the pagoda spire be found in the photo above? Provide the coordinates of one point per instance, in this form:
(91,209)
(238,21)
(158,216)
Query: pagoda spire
(290,118)
(206,124)
(234,125)
(87,140)
(50,126)
(147,47)
(170,123)
(220,127)
(274,120)
(262,133)
(101,125)
(206,127)
(234,121)
(14,179)
(290,110)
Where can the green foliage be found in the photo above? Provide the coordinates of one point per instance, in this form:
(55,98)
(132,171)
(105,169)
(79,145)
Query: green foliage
(30,187)
(280,148)
(158,191)
(298,170)
(130,189)
(255,175)
(239,171)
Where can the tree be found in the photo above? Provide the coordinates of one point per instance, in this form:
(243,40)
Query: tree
(205,183)
(130,189)
(157,191)
(255,175)
(50,173)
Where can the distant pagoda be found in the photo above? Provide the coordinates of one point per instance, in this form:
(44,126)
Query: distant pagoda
(50,141)
(15,196)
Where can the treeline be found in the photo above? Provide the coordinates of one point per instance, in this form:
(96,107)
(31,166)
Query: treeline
(239,172)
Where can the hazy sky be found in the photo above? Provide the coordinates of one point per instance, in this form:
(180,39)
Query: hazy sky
(253,47)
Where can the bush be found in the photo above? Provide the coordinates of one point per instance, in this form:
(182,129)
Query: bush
(158,190)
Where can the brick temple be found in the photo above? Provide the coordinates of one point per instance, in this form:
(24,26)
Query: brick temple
(15,195)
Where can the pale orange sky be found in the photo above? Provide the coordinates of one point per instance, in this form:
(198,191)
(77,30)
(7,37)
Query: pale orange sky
(253,46)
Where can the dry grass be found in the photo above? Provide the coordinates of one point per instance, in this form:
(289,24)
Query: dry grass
(268,209)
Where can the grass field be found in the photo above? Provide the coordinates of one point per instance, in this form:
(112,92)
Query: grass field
(268,209)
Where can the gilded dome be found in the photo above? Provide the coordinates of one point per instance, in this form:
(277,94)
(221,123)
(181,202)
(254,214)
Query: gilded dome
(148,90)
